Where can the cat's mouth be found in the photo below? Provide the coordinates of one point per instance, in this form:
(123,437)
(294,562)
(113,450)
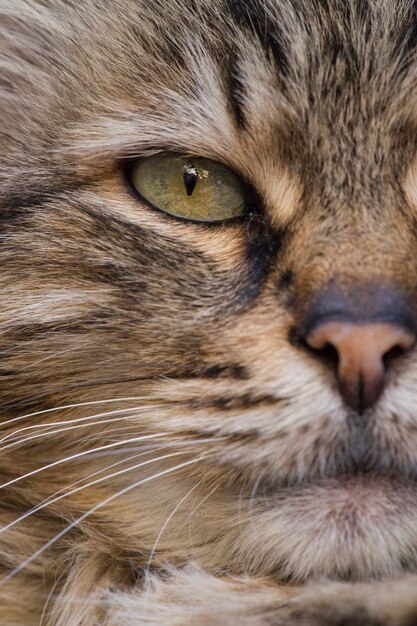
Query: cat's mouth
(336,523)
(361,461)
(355,502)
(353,480)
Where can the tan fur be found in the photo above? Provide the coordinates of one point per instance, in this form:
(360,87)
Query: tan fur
(168,454)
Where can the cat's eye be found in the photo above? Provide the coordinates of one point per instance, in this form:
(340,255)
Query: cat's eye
(195,189)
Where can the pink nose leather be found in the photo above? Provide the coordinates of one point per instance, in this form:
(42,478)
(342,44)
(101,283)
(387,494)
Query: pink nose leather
(362,350)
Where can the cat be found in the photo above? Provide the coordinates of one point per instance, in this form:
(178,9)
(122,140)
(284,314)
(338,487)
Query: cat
(208,312)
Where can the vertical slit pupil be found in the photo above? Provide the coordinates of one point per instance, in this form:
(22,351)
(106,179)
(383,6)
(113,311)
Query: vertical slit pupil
(190,179)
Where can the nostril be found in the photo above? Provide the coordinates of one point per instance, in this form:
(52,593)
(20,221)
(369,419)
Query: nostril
(327,354)
(392,355)
(296,339)
(360,354)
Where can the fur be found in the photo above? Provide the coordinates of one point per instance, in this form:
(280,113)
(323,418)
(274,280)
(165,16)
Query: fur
(170,452)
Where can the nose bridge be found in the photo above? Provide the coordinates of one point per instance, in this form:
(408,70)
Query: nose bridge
(353,290)
(353,254)
(360,303)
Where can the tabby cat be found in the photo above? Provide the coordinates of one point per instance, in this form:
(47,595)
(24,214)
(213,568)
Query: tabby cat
(208,312)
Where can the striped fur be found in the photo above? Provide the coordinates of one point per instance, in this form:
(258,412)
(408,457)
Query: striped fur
(168,454)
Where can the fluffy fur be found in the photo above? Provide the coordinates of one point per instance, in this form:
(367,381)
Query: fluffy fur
(170,454)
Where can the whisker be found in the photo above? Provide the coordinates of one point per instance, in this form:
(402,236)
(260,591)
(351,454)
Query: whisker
(61,493)
(168,519)
(48,599)
(110,434)
(50,356)
(136,448)
(72,421)
(206,497)
(253,495)
(60,430)
(70,406)
(82,487)
(98,506)
(54,497)
(239,501)
(96,473)
(99,382)
(79,455)
(148,450)
(194,509)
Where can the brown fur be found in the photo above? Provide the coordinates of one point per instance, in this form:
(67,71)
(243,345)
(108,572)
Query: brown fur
(185,457)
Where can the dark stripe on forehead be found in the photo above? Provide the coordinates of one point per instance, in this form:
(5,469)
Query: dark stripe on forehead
(411,38)
(253,16)
(236,88)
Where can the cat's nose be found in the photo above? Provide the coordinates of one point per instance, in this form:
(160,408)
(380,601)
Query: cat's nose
(364,354)
(362,337)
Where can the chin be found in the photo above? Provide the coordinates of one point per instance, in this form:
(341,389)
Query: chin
(355,527)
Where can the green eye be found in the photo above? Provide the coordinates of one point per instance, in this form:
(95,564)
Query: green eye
(195,189)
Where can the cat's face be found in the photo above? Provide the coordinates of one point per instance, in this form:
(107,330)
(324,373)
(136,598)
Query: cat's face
(213,331)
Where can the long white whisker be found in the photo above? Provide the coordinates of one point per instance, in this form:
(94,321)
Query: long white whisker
(82,487)
(79,455)
(136,448)
(98,506)
(74,421)
(85,478)
(70,406)
(57,495)
(194,509)
(54,497)
(168,519)
(148,450)
(56,431)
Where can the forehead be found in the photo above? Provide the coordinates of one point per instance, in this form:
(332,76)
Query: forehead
(280,91)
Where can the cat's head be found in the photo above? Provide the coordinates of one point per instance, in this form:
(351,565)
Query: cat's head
(265,345)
